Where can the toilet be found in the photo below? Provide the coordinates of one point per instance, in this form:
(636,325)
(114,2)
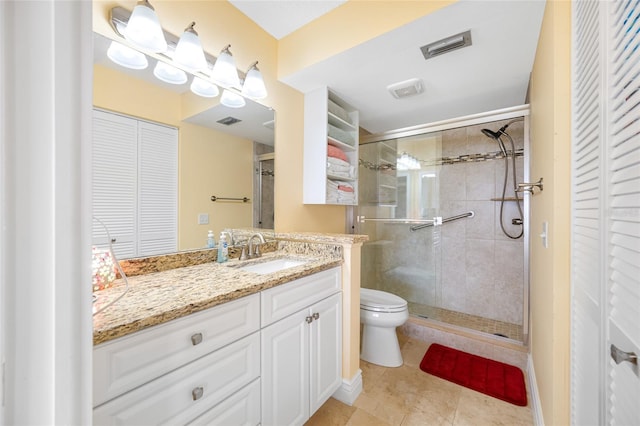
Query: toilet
(380,314)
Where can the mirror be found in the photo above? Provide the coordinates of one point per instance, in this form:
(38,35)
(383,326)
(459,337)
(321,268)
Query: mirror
(223,152)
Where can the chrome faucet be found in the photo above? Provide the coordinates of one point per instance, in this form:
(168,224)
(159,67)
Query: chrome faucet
(255,253)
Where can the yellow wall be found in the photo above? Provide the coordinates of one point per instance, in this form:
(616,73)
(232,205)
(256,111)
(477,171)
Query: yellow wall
(210,162)
(203,155)
(550,159)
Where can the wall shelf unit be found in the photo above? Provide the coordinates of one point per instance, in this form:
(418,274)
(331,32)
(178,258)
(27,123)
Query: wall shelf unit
(330,149)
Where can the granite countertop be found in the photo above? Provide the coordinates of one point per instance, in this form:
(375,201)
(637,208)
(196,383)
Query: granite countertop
(159,297)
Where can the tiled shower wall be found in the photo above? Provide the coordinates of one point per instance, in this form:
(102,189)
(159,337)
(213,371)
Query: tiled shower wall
(468,265)
(482,270)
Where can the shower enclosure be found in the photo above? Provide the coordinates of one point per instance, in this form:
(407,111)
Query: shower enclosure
(263,185)
(431,200)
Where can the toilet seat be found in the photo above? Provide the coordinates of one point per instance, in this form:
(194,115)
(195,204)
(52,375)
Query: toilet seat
(381,301)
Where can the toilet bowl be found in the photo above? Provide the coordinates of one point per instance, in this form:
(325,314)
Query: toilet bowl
(380,314)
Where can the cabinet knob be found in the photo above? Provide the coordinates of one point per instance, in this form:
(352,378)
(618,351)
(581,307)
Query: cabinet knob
(113,240)
(316,315)
(309,319)
(196,339)
(197,393)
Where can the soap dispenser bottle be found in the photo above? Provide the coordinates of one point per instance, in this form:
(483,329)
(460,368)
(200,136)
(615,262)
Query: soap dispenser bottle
(211,242)
(223,249)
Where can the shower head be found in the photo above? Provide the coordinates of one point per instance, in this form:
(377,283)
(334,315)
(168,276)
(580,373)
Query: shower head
(491,133)
(496,136)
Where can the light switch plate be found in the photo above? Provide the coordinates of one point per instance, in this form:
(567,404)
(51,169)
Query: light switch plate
(545,234)
(203,219)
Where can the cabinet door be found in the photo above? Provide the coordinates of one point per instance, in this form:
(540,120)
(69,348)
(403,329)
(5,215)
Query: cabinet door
(325,350)
(285,371)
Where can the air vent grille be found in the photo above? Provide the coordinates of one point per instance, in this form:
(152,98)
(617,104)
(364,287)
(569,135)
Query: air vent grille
(445,45)
(228,121)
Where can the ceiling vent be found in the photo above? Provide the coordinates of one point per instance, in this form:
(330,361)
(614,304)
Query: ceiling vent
(228,121)
(406,88)
(445,45)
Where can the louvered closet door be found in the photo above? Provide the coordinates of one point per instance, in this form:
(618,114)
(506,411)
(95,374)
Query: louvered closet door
(158,189)
(587,353)
(623,239)
(114,175)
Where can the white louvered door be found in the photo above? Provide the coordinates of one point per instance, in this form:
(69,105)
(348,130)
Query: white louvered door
(587,294)
(605,212)
(158,189)
(623,242)
(135,185)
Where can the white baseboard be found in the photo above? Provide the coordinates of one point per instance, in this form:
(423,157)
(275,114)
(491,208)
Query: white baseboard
(536,407)
(350,389)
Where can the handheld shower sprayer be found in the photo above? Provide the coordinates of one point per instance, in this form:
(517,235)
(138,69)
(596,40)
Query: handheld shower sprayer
(498,138)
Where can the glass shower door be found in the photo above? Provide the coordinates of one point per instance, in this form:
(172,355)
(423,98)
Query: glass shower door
(398,201)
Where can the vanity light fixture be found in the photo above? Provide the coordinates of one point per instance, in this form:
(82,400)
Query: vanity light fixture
(204,88)
(253,86)
(169,74)
(143,29)
(231,99)
(224,69)
(126,56)
(189,53)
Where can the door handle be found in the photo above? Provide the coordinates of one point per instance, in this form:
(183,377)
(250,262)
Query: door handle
(621,356)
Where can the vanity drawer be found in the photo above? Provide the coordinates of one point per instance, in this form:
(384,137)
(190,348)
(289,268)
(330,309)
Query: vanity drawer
(286,299)
(184,394)
(241,408)
(128,362)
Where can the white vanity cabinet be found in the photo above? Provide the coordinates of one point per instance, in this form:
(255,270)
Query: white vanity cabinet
(174,372)
(301,347)
(272,358)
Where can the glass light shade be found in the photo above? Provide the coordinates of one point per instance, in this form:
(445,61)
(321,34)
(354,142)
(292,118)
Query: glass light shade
(253,86)
(232,100)
(224,70)
(126,56)
(169,73)
(189,53)
(144,30)
(203,88)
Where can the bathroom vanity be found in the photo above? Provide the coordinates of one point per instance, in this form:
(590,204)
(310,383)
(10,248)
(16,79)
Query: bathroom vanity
(217,344)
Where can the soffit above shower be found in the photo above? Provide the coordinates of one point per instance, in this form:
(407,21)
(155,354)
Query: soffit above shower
(491,74)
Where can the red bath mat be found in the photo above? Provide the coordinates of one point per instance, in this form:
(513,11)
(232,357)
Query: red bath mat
(490,377)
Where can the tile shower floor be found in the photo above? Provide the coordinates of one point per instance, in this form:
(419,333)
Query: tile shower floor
(485,325)
(406,396)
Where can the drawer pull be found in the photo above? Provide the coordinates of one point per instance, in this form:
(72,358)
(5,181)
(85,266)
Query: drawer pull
(309,319)
(316,315)
(197,393)
(196,339)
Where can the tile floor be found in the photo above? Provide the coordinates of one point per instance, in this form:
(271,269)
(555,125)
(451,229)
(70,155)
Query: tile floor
(406,396)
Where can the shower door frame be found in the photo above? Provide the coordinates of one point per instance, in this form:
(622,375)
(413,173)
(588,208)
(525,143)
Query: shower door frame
(470,120)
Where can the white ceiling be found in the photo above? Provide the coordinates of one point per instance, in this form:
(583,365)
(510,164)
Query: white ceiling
(491,74)
(282,17)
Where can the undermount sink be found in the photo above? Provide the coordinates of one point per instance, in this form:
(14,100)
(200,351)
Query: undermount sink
(271,266)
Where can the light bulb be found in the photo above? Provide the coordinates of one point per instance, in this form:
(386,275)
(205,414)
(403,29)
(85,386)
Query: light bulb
(231,99)
(253,86)
(169,73)
(203,88)
(189,53)
(144,30)
(224,70)
(126,56)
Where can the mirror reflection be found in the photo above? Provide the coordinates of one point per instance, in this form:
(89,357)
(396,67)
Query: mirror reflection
(212,151)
